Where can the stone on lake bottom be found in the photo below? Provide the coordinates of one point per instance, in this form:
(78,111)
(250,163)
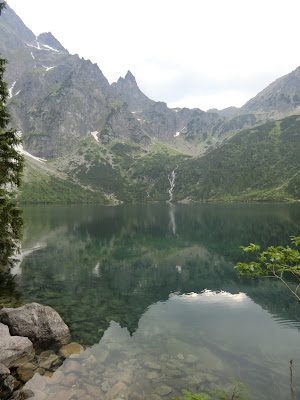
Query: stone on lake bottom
(17,384)
(78,393)
(191,359)
(94,391)
(136,396)
(152,375)
(36,384)
(46,353)
(105,386)
(41,371)
(69,380)
(61,395)
(163,390)
(72,366)
(119,390)
(152,365)
(47,363)
(26,372)
(24,395)
(70,349)
(55,378)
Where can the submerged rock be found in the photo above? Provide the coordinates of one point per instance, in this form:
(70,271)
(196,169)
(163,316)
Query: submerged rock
(14,350)
(37,322)
(105,386)
(26,371)
(119,390)
(152,365)
(6,382)
(23,395)
(163,390)
(48,363)
(70,349)
(72,366)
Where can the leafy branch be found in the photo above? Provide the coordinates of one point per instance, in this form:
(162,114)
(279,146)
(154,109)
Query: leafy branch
(238,389)
(273,263)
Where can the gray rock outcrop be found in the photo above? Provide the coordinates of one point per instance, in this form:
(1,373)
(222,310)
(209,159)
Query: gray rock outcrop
(14,350)
(37,322)
(6,382)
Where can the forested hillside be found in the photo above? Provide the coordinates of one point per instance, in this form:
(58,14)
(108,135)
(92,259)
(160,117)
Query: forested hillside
(262,163)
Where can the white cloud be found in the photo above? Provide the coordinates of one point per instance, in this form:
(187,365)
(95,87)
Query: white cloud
(162,41)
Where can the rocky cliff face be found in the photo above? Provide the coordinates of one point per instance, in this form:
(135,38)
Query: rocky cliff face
(56,99)
(128,89)
(162,122)
(48,40)
(61,100)
(278,99)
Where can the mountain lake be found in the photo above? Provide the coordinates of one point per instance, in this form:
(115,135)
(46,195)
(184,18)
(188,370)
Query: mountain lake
(151,293)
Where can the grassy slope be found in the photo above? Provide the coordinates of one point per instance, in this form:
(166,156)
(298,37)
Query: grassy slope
(42,186)
(261,163)
(256,164)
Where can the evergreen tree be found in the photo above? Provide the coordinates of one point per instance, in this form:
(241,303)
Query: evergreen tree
(11,163)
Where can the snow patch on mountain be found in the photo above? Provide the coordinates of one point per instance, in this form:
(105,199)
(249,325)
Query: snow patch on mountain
(179,132)
(94,134)
(50,48)
(21,150)
(35,47)
(10,90)
(48,68)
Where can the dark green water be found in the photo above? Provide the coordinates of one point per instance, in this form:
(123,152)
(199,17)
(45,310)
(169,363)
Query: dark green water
(155,284)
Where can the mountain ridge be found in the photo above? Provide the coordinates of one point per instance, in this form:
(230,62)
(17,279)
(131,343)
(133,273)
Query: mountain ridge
(115,142)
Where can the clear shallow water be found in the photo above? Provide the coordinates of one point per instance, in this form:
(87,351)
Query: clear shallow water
(151,291)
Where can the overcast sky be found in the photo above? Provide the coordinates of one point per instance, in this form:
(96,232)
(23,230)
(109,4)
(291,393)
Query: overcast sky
(193,53)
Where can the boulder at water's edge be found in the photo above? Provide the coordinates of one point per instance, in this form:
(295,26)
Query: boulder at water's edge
(14,350)
(37,322)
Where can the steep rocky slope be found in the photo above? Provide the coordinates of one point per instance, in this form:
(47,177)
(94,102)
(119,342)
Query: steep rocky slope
(56,98)
(89,141)
(280,98)
(192,131)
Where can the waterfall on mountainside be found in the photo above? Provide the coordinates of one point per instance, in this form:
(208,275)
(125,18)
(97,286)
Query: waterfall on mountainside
(172,184)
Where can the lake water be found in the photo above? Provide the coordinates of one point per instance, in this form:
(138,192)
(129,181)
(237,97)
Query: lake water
(151,293)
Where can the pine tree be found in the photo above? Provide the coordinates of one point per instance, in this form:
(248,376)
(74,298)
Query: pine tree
(11,163)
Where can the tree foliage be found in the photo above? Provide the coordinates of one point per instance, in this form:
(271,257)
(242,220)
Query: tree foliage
(273,262)
(236,393)
(11,163)
(260,163)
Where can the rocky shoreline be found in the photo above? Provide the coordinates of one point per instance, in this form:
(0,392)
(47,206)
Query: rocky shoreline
(116,368)
(34,339)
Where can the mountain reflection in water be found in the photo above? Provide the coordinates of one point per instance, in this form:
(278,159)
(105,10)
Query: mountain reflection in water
(154,285)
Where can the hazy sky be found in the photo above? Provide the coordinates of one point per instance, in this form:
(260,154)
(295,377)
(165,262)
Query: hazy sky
(193,53)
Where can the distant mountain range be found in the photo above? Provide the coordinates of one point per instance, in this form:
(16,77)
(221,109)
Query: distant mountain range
(88,141)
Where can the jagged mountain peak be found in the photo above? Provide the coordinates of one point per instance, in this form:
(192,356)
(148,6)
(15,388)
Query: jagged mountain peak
(48,40)
(128,89)
(129,76)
